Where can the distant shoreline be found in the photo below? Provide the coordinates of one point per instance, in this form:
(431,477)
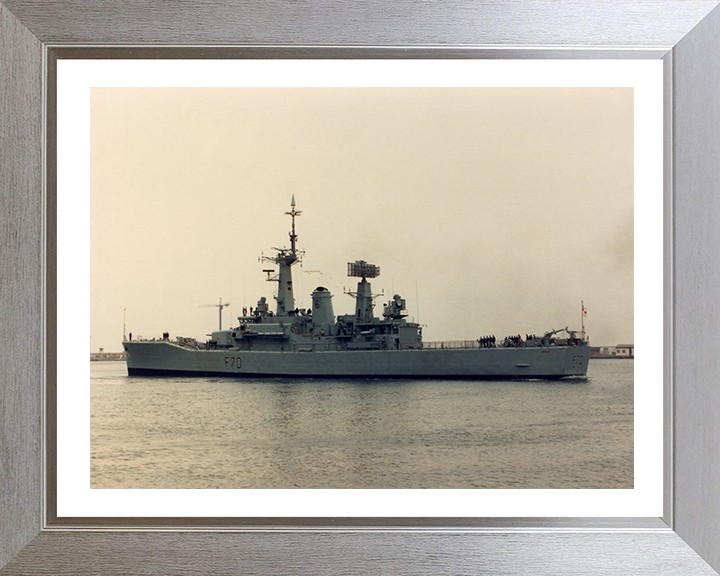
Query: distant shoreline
(107,356)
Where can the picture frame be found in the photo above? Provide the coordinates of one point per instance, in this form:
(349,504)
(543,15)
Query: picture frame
(686,540)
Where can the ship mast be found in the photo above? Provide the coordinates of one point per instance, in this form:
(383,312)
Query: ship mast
(285,258)
(363,296)
(293,236)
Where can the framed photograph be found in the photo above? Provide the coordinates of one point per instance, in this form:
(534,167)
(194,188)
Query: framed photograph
(64,510)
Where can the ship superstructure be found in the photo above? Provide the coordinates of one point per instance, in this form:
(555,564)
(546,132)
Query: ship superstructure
(314,342)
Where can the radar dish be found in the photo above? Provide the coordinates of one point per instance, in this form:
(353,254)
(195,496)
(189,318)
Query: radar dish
(361,269)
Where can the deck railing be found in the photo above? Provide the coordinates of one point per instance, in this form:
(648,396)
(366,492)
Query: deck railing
(451,344)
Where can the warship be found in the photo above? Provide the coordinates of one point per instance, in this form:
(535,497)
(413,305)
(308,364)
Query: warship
(314,342)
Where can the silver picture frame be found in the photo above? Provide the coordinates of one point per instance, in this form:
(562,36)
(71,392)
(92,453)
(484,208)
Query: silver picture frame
(684,34)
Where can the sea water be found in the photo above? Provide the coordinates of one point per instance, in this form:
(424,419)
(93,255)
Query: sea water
(362,433)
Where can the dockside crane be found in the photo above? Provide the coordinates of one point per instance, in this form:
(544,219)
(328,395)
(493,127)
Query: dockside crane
(220,307)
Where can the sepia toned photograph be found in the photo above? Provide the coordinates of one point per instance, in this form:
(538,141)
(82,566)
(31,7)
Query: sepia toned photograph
(362,288)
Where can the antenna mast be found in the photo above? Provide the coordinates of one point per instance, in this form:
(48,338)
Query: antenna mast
(292,214)
(124,330)
(417,302)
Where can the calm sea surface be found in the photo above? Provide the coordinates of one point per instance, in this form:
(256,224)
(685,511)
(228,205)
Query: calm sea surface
(285,433)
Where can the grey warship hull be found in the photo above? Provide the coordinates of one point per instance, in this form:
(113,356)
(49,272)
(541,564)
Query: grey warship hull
(171,359)
(314,342)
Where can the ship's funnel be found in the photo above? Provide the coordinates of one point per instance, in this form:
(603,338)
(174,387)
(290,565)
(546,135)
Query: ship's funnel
(322,312)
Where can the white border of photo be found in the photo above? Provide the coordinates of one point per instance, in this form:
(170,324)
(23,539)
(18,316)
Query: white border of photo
(75,497)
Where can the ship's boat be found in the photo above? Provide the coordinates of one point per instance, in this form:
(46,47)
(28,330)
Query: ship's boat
(314,342)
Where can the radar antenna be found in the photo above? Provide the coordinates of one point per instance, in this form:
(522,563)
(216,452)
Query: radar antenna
(361,269)
(363,297)
(219,306)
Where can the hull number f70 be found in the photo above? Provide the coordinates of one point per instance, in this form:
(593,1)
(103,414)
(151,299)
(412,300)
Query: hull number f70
(233,362)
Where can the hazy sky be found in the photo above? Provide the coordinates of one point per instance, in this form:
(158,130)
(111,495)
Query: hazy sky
(490,210)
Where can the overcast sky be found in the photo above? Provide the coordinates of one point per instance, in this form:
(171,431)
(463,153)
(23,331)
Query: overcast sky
(490,210)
